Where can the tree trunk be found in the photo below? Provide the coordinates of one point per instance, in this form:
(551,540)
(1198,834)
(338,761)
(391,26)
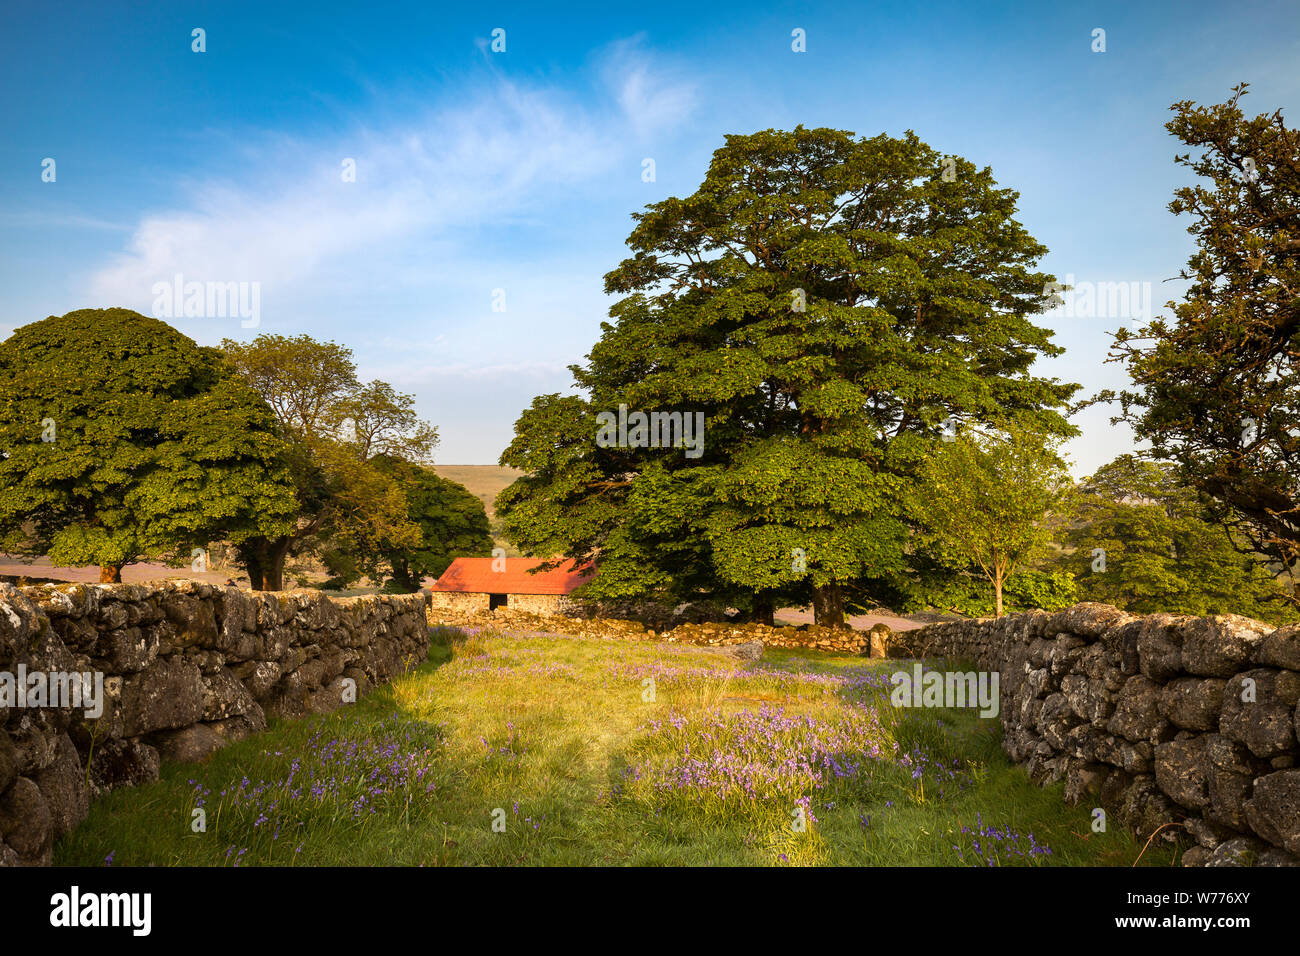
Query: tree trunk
(402,576)
(273,573)
(828,605)
(110,574)
(264,562)
(997,597)
(251,556)
(764,609)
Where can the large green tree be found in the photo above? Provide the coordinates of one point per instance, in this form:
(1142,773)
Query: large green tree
(827,303)
(335,425)
(1139,539)
(1217,390)
(123,439)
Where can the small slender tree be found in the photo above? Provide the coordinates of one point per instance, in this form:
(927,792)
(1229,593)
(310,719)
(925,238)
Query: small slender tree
(985,500)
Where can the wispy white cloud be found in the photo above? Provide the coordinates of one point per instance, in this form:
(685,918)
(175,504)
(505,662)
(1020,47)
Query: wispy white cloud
(291,217)
(651,96)
(401,264)
(452,168)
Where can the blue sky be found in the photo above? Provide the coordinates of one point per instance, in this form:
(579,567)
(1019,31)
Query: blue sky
(518,171)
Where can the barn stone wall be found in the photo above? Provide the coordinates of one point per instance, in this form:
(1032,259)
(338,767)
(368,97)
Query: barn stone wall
(549,604)
(459,602)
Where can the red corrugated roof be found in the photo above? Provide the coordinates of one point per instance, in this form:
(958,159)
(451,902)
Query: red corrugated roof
(476,575)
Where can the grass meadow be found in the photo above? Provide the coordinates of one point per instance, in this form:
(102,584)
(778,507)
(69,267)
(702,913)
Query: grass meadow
(532,749)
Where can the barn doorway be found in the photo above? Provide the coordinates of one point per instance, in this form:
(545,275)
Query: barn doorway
(497,600)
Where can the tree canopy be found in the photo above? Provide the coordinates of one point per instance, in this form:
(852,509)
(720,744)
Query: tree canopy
(347,508)
(825,304)
(123,439)
(452,521)
(1216,388)
(1139,539)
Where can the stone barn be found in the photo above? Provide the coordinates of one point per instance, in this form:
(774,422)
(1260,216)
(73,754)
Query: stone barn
(485,584)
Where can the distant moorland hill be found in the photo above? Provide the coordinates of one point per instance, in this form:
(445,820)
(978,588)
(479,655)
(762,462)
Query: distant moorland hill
(485,481)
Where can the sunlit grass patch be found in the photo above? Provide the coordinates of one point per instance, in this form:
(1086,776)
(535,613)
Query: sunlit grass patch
(529,749)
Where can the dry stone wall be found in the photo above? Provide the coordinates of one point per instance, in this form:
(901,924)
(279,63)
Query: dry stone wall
(186,668)
(872,643)
(1162,719)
